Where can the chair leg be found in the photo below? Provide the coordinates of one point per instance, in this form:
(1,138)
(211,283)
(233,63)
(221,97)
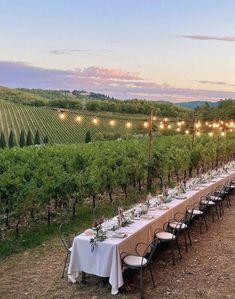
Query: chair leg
(151,273)
(186,244)
(200,223)
(141,284)
(178,246)
(83,277)
(172,254)
(189,237)
(222,207)
(228,201)
(204,217)
(216,210)
(65,263)
(212,214)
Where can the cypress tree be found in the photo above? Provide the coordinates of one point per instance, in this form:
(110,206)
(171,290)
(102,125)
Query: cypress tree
(37,139)
(11,140)
(29,139)
(45,139)
(2,140)
(22,139)
(88,137)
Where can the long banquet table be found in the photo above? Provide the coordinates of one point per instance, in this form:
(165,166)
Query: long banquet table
(105,260)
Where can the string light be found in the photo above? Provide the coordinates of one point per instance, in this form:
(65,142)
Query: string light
(112,122)
(95,120)
(146,124)
(219,127)
(62,115)
(78,118)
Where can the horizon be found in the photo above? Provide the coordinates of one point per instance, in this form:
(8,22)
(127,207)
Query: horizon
(175,52)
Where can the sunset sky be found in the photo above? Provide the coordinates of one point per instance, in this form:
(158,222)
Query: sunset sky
(174,50)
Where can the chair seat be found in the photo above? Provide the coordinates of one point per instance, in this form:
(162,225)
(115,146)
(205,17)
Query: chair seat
(195,212)
(178,225)
(208,202)
(165,236)
(215,198)
(135,261)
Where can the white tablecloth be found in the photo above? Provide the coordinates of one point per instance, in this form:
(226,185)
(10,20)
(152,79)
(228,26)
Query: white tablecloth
(105,260)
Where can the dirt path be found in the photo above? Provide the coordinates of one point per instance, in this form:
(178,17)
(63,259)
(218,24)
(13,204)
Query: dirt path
(206,271)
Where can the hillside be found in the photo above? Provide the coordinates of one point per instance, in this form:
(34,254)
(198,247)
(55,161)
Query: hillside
(90,101)
(68,130)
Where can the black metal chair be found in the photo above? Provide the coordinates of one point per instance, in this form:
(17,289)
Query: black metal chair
(209,205)
(141,260)
(181,224)
(66,242)
(217,197)
(169,235)
(197,210)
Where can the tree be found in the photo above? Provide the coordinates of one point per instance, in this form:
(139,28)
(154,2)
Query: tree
(37,139)
(88,137)
(11,140)
(2,141)
(29,139)
(45,139)
(22,139)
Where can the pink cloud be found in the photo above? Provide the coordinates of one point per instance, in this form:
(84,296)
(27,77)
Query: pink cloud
(117,83)
(107,73)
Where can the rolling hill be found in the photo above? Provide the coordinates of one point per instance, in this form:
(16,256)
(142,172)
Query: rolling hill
(17,117)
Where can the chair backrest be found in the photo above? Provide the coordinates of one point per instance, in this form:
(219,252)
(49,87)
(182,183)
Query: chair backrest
(149,250)
(64,236)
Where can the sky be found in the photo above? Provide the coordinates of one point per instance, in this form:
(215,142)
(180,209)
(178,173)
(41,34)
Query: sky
(172,50)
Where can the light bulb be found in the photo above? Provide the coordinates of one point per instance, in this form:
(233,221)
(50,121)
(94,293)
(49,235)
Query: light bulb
(145,124)
(112,122)
(95,121)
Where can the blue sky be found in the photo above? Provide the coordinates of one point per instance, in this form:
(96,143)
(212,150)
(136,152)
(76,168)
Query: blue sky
(173,50)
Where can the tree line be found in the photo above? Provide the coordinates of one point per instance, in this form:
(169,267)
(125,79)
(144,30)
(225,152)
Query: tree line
(24,139)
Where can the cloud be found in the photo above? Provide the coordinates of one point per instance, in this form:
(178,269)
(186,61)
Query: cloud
(210,37)
(71,51)
(114,82)
(221,83)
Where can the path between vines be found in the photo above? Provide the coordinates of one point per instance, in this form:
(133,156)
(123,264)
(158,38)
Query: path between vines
(206,271)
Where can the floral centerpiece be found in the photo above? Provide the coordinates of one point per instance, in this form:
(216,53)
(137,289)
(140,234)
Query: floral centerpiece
(123,220)
(100,235)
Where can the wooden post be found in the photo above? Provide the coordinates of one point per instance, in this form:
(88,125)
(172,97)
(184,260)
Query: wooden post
(150,135)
